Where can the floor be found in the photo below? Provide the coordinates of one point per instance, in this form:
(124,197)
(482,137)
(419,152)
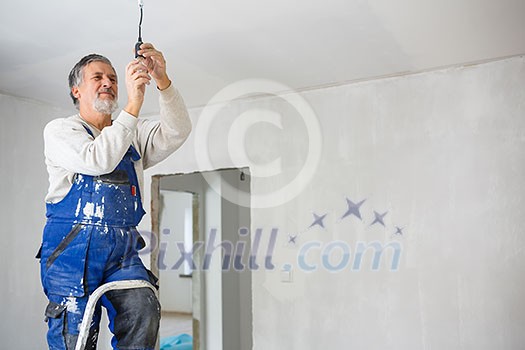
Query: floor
(175,323)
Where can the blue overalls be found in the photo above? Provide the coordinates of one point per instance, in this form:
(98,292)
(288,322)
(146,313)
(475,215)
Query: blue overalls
(90,239)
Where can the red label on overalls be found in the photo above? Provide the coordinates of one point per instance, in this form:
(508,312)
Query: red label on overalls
(133,190)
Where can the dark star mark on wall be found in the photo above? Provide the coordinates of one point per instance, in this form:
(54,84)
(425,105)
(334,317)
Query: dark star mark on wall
(379,218)
(399,231)
(318,220)
(353,209)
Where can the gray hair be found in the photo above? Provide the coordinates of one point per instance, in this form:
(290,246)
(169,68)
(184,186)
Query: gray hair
(76,74)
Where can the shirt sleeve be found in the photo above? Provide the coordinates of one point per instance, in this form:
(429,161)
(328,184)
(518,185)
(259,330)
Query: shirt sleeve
(68,145)
(157,139)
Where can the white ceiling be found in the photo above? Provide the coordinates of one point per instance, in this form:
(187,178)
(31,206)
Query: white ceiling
(210,44)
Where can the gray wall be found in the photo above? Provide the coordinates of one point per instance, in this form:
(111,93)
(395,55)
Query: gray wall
(236,285)
(23,186)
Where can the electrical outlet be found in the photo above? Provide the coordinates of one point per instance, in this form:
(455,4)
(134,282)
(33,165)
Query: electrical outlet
(286,274)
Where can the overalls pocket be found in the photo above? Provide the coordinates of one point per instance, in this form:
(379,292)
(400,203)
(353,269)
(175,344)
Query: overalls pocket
(56,321)
(63,263)
(63,245)
(54,310)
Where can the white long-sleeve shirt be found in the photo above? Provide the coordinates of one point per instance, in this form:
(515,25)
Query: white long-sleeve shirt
(69,149)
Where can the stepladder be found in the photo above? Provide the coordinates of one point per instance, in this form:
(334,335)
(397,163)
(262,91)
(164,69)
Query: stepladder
(92,302)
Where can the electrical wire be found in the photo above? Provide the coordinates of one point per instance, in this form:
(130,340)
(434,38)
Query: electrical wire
(139,41)
(140,23)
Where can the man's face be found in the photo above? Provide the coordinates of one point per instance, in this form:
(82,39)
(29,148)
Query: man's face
(98,87)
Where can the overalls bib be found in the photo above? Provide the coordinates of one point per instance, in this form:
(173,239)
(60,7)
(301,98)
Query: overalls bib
(90,239)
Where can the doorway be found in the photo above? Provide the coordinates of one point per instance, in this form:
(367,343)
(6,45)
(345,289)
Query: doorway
(201,238)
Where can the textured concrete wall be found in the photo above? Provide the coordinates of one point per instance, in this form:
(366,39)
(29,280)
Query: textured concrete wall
(441,153)
(23,186)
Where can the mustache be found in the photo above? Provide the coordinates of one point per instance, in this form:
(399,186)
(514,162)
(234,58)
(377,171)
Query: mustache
(106,90)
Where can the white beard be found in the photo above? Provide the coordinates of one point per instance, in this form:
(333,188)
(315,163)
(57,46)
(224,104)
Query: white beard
(105,106)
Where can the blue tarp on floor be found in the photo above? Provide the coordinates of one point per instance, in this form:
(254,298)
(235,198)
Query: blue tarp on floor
(179,342)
